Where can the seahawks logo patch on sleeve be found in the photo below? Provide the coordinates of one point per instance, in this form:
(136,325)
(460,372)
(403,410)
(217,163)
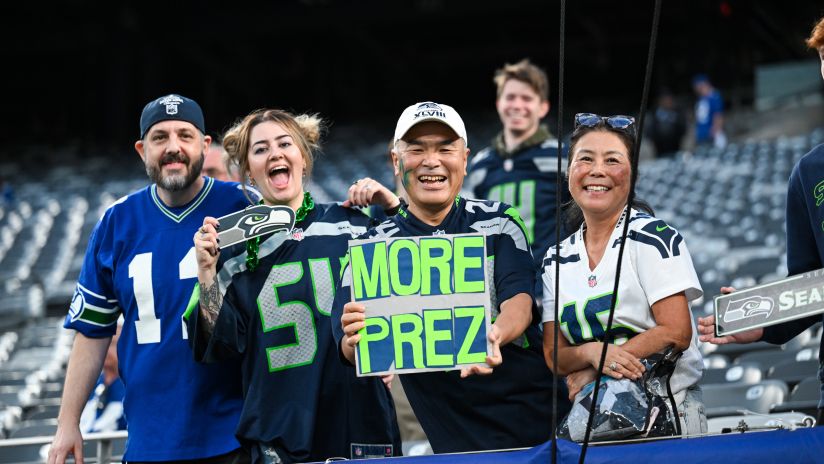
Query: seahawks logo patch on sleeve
(254,221)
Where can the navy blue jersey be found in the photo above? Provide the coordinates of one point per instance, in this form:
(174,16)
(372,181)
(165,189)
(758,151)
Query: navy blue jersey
(513,406)
(140,263)
(526,179)
(805,239)
(299,399)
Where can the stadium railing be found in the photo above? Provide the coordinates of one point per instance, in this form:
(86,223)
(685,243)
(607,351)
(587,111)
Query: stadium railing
(106,447)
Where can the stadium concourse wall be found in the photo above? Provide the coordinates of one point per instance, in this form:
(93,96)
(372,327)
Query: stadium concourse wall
(799,446)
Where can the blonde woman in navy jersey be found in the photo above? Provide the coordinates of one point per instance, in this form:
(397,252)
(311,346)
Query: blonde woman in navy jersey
(657,276)
(268,303)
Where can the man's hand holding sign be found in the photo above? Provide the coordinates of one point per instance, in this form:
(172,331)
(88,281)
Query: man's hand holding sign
(741,317)
(420,304)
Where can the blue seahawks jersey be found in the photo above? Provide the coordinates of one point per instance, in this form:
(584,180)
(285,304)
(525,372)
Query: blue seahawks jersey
(529,182)
(140,263)
(299,399)
(510,408)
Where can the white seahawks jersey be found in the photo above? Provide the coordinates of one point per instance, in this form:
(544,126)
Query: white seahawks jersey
(656,264)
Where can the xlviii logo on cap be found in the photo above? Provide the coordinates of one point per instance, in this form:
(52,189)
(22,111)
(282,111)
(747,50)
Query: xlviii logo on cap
(428,110)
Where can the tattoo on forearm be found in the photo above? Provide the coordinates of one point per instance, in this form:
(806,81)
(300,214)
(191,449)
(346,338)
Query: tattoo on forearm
(210,302)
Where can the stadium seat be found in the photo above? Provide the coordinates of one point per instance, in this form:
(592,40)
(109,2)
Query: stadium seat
(23,454)
(13,377)
(745,373)
(804,397)
(792,371)
(34,428)
(716,361)
(773,357)
(41,411)
(731,399)
(735,350)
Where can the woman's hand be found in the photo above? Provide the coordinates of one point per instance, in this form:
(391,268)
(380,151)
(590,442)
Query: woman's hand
(579,379)
(492,361)
(618,364)
(368,191)
(207,249)
(352,321)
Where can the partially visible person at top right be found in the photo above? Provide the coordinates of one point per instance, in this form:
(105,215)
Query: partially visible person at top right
(805,242)
(709,113)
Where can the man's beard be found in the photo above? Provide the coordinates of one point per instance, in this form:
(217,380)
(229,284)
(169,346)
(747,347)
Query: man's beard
(175,183)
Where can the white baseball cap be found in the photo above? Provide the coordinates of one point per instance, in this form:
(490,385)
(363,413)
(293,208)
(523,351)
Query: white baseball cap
(430,111)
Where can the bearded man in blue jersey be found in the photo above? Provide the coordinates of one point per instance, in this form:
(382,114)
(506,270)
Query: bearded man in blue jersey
(521,166)
(508,402)
(140,263)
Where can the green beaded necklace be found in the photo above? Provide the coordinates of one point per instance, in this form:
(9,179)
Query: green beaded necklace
(253,245)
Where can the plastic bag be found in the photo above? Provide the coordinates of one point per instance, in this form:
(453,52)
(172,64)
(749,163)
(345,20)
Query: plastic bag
(627,408)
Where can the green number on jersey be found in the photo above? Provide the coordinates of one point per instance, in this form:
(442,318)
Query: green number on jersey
(521,195)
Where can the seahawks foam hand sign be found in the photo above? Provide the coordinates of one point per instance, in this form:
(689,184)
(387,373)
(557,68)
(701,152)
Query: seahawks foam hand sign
(791,298)
(254,221)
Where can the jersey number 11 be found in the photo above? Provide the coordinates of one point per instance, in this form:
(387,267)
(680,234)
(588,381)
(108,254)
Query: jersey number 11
(147,325)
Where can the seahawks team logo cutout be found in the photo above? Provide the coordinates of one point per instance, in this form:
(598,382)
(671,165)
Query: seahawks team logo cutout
(254,221)
(753,306)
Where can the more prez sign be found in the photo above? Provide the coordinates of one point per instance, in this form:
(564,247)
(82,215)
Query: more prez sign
(784,300)
(427,303)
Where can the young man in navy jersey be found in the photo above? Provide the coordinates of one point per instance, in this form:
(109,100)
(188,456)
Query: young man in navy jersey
(508,402)
(521,166)
(805,242)
(140,263)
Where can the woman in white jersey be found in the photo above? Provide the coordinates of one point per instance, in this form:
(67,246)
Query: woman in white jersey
(657,276)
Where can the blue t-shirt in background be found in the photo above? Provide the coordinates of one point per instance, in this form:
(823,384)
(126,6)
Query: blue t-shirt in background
(706,110)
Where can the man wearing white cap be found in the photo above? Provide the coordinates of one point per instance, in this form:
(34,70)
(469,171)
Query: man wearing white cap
(501,405)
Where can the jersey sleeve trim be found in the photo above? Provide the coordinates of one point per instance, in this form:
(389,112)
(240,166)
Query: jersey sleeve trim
(92,308)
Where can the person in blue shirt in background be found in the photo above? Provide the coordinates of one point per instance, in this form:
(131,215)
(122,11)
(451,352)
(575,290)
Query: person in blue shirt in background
(709,113)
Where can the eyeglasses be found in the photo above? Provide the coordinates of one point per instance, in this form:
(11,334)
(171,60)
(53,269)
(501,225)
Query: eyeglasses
(617,122)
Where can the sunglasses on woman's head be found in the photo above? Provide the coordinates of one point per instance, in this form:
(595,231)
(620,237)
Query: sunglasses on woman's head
(617,122)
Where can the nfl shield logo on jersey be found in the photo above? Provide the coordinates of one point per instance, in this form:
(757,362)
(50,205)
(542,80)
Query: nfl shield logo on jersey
(592,281)
(297,233)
